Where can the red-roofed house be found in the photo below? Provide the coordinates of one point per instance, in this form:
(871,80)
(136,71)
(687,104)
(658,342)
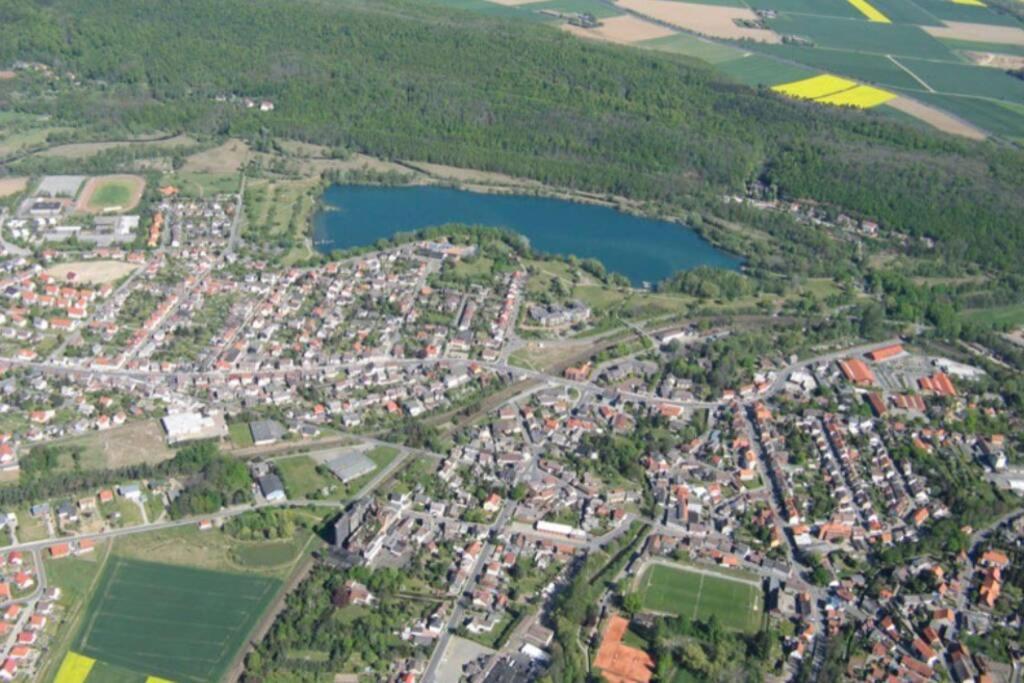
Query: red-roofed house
(857,371)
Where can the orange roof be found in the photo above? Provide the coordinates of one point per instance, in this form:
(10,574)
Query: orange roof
(995,557)
(939,383)
(885,353)
(60,550)
(620,663)
(857,371)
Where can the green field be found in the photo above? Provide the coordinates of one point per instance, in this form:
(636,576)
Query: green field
(699,594)
(1012,315)
(1001,118)
(302,480)
(692,46)
(176,622)
(755,69)
(965,79)
(240,434)
(862,36)
(1004,48)
(866,67)
(832,8)
(198,184)
(263,554)
(949,11)
(111,193)
(105,672)
(905,12)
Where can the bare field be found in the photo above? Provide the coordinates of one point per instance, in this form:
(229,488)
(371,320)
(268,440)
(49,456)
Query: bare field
(92,199)
(92,272)
(625,29)
(936,118)
(227,158)
(995,60)
(710,20)
(129,444)
(9,186)
(984,33)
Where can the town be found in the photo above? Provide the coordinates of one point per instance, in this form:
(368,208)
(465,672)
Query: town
(450,444)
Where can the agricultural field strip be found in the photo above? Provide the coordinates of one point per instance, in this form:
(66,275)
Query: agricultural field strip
(207,618)
(74,669)
(870,11)
(829,89)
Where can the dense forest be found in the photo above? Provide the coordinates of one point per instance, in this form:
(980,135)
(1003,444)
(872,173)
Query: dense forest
(409,80)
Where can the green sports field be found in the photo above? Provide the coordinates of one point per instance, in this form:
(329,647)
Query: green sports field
(176,622)
(111,194)
(698,594)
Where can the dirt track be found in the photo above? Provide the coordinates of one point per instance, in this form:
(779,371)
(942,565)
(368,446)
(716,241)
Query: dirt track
(82,205)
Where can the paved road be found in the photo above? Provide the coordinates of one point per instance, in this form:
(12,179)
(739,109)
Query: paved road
(458,612)
(236,223)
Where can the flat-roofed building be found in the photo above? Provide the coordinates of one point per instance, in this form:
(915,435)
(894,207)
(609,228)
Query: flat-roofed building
(351,465)
(193,426)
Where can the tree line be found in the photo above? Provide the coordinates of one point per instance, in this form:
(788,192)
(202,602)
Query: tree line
(402,80)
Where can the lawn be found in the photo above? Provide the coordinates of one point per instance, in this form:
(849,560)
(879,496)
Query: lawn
(240,434)
(176,622)
(300,476)
(698,594)
(270,554)
(30,528)
(130,512)
(74,575)
(203,184)
(112,193)
(302,480)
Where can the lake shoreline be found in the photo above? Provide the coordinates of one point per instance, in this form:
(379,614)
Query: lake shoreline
(562,224)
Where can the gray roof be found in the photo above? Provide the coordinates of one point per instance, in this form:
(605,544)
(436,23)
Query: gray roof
(270,483)
(351,465)
(266,430)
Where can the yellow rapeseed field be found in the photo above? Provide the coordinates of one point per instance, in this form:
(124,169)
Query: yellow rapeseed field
(74,669)
(862,97)
(814,87)
(869,11)
(972,3)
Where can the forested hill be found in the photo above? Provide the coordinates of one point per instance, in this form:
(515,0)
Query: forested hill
(412,80)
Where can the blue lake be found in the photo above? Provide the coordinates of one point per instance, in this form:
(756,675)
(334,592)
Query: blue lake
(642,249)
